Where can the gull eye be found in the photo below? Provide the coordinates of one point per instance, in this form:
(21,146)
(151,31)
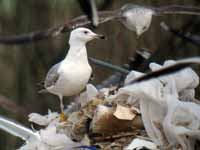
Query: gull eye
(86,32)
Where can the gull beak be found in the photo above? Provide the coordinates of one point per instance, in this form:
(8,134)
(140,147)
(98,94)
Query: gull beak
(99,36)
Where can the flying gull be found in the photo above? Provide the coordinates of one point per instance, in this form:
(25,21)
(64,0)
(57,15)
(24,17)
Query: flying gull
(70,76)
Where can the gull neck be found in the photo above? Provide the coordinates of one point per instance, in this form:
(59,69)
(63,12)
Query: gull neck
(77,53)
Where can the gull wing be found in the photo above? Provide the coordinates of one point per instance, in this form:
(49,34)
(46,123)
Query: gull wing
(18,130)
(177,9)
(52,76)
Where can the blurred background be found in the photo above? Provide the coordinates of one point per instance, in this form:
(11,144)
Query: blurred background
(23,66)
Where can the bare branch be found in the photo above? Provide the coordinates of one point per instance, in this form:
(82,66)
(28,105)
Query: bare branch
(11,106)
(108,65)
(179,34)
(80,21)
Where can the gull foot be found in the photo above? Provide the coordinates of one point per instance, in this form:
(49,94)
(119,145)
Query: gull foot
(62,117)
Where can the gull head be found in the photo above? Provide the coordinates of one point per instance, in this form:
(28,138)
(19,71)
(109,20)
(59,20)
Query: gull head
(83,35)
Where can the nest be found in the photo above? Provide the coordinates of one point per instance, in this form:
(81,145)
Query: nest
(157,114)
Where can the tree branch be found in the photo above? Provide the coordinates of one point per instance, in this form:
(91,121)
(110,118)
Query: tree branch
(104,16)
(180,34)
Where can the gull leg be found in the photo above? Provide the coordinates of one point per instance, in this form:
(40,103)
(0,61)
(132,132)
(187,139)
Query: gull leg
(62,114)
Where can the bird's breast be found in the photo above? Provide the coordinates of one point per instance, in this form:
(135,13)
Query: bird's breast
(74,78)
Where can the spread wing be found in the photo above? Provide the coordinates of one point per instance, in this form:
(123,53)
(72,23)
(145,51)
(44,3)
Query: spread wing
(176,9)
(52,76)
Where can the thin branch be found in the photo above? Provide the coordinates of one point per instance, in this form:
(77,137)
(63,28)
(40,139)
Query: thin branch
(80,21)
(108,65)
(110,81)
(134,63)
(180,34)
(11,106)
(114,137)
(33,36)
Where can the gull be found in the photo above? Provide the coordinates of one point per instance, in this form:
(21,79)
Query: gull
(70,76)
(138,18)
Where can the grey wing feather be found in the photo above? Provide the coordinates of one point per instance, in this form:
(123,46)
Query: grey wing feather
(52,76)
(176,9)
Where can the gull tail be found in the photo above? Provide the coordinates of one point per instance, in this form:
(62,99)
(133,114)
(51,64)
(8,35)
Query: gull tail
(42,91)
(18,130)
(176,9)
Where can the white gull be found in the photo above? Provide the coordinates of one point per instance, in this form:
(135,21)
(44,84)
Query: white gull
(70,76)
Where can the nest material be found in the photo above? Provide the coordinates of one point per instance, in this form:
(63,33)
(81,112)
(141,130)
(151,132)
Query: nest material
(156,114)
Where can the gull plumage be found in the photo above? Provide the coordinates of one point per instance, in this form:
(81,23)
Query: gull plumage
(70,76)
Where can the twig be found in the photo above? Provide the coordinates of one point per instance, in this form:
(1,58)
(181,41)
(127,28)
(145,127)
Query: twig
(179,34)
(11,106)
(108,65)
(113,137)
(112,80)
(134,63)
(104,16)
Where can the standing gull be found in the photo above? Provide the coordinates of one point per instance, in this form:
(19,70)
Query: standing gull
(70,76)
